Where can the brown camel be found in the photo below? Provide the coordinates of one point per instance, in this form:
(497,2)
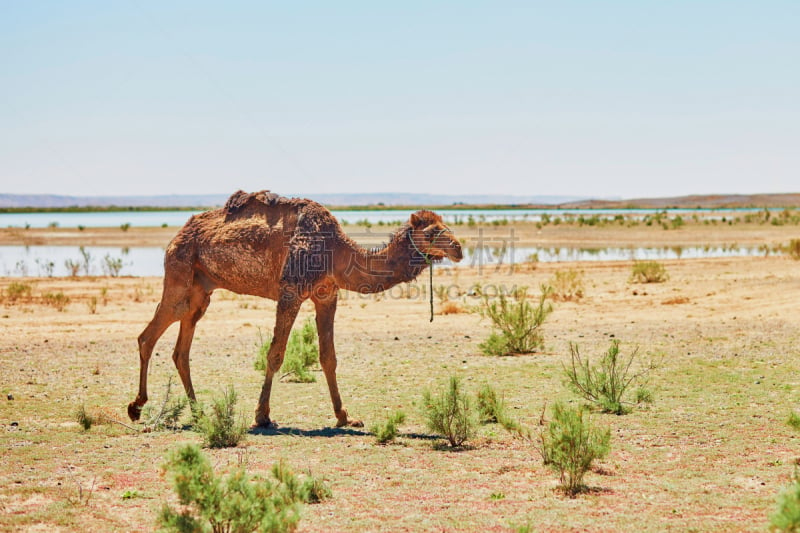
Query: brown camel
(287,250)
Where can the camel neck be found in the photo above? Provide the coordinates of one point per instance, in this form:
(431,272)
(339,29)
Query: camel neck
(368,271)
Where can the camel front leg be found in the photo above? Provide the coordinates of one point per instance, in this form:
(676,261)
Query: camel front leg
(326,311)
(288,308)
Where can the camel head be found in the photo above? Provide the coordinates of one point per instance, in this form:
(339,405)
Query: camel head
(432,237)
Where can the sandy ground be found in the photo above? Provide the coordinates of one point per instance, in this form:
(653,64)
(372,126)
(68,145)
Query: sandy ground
(711,453)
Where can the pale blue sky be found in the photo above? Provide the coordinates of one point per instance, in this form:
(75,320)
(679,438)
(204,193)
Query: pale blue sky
(625,98)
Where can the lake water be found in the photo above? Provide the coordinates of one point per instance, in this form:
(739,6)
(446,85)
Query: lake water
(44,261)
(178,218)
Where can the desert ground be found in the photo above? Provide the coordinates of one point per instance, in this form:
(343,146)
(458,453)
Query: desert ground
(710,453)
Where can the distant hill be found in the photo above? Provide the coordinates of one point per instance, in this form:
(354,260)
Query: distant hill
(412,199)
(214,200)
(706,201)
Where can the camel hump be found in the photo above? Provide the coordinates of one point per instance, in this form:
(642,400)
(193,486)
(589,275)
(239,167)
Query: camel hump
(240,199)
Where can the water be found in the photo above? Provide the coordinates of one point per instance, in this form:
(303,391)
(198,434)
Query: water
(116,219)
(44,261)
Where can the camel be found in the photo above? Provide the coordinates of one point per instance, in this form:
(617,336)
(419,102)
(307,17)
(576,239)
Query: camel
(287,250)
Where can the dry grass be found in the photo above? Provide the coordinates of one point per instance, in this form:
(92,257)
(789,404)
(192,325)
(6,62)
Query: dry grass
(710,454)
(451,308)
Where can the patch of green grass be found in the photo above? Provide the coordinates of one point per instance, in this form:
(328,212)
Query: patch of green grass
(387,432)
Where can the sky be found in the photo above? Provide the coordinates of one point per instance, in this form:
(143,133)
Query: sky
(637,98)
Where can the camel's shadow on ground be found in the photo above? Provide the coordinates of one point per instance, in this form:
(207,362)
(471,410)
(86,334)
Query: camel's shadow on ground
(328,432)
(299,432)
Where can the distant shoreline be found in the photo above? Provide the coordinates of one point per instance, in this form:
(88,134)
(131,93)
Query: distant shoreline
(771,201)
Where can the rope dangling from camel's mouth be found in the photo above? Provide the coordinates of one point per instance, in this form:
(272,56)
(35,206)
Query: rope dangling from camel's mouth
(430,285)
(429,262)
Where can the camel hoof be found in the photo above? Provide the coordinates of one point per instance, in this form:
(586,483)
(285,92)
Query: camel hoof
(134,411)
(350,422)
(264,422)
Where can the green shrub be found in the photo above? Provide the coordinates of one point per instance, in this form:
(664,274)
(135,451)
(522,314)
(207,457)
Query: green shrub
(302,352)
(387,432)
(449,413)
(648,272)
(517,324)
(793,249)
(168,415)
(84,418)
(17,290)
(787,514)
(567,285)
(491,409)
(58,300)
(112,265)
(236,502)
(605,384)
(314,490)
(222,428)
(794,421)
(643,395)
(73,267)
(570,444)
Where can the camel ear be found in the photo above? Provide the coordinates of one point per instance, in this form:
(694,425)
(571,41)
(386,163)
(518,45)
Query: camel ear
(415,220)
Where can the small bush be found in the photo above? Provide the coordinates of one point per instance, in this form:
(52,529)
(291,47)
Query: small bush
(648,272)
(517,323)
(84,418)
(605,385)
(449,413)
(491,409)
(58,300)
(794,421)
(314,490)
(643,395)
(236,502)
(73,267)
(567,285)
(787,515)
(793,249)
(387,432)
(17,290)
(222,428)
(168,415)
(570,444)
(112,265)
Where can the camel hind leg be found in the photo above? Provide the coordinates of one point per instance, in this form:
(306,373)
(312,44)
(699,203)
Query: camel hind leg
(198,304)
(175,304)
